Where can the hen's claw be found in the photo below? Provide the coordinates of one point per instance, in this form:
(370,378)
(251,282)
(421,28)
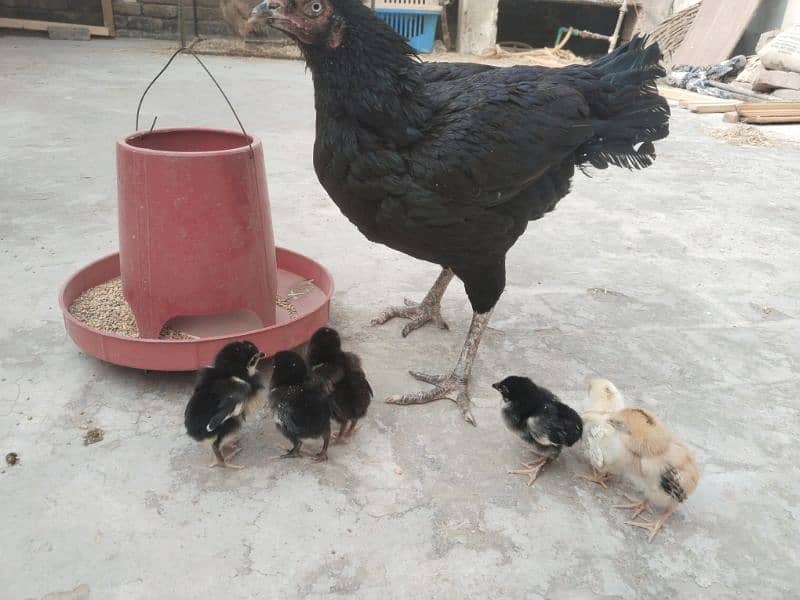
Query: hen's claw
(446,387)
(418,313)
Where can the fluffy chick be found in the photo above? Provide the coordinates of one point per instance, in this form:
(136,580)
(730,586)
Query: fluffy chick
(600,445)
(540,419)
(345,381)
(223,396)
(662,467)
(299,404)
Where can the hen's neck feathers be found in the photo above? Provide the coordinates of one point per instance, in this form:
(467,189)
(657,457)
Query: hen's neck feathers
(373,73)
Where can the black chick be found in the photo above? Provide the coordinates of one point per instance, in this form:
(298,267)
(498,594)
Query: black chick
(343,379)
(222,397)
(537,416)
(299,404)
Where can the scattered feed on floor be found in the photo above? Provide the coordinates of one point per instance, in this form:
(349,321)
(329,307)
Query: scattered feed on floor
(12,458)
(742,135)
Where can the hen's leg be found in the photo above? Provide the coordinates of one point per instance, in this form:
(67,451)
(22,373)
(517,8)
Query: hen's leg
(455,385)
(420,313)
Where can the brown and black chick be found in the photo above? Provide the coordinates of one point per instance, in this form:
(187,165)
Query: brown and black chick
(299,404)
(222,398)
(537,416)
(343,378)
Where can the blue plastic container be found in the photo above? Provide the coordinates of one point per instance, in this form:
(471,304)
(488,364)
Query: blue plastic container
(419,28)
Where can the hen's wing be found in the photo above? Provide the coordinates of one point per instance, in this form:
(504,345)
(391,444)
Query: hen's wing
(433,72)
(496,132)
(231,394)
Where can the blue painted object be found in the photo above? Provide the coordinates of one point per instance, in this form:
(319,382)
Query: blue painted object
(419,28)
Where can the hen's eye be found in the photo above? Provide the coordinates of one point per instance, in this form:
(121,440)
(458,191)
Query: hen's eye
(316,7)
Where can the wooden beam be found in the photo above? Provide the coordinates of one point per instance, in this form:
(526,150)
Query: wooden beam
(32,25)
(712,107)
(108,16)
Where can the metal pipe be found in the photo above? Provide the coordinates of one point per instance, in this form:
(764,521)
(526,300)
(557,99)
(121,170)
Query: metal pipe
(623,9)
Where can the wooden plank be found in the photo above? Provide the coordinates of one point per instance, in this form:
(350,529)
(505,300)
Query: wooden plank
(108,17)
(770,120)
(715,32)
(678,94)
(32,25)
(758,109)
(721,107)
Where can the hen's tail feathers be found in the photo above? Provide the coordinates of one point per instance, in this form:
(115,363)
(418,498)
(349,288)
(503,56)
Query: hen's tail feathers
(628,115)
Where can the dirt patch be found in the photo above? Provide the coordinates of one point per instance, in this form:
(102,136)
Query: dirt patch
(93,436)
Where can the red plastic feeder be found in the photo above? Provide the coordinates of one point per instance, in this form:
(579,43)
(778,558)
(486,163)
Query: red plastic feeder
(197,252)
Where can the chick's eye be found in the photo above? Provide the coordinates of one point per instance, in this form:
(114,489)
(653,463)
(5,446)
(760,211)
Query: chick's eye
(316,7)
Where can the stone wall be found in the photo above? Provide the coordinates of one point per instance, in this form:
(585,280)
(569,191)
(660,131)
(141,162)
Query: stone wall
(145,18)
(159,18)
(85,12)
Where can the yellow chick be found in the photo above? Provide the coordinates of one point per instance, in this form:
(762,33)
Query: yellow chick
(600,444)
(662,467)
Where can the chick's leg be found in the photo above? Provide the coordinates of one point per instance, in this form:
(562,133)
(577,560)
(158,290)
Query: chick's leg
(220,460)
(340,437)
(653,526)
(455,385)
(420,313)
(637,506)
(322,455)
(295,451)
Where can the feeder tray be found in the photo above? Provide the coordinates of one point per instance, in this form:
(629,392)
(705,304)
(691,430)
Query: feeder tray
(212,333)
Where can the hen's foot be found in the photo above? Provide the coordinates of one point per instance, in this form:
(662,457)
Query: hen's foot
(320,457)
(637,506)
(532,470)
(599,478)
(418,313)
(447,387)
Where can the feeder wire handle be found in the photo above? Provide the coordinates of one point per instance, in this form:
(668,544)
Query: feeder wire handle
(205,68)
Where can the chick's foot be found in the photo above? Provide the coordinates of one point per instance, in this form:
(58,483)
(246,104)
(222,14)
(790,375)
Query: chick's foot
(637,506)
(597,477)
(532,469)
(652,526)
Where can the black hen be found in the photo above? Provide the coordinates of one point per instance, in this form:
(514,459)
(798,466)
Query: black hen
(222,398)
(448,163)
(537,416)
(299,405)
(344,379)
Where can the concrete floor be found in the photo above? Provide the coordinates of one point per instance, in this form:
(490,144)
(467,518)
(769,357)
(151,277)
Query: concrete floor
(699,322)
